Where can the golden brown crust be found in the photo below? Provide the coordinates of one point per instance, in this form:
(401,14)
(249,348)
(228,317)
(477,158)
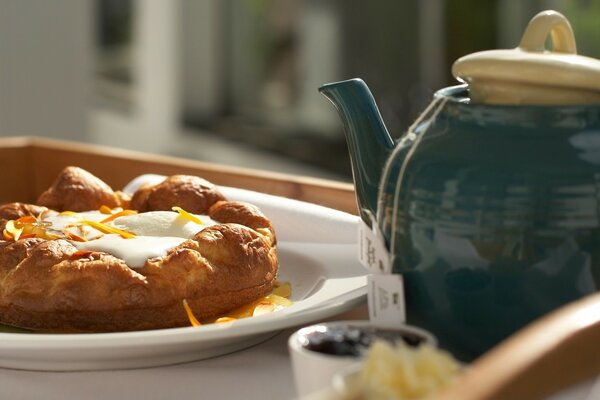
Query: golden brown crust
(75,189)
(191,193)
(12,253)
(50,285)
(140,197)
(18,210)
(240,212)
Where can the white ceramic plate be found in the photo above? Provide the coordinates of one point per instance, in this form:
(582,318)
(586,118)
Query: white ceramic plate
(326,279)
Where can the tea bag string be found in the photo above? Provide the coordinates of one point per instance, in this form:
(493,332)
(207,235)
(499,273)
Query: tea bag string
(389,163)
(430,113)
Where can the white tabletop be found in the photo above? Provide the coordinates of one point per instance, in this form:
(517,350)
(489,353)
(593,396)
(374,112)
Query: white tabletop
(260,372)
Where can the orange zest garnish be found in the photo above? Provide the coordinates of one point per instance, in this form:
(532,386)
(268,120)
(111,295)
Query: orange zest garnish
(264,231)
(11,231)
(190,314)
(117,215)
(27,227)
(104,209)
(279,301)
(70,214)
(74,237)
(81,253)
(30,226)
(223,320)
(283,289)
(187,215)
(28,219)
(264,305)
(107,228)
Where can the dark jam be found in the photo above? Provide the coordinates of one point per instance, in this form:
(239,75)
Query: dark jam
(355,341)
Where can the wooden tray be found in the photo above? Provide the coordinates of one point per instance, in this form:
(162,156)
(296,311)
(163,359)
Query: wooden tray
(552,353)
(29,166)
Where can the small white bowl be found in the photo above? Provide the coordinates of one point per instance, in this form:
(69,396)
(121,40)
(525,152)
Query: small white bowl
(345,381)
(315,364)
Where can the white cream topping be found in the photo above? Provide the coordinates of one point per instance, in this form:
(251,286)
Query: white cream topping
(134,251)
(58,221)
(156,232)
(161,223)
(62,222)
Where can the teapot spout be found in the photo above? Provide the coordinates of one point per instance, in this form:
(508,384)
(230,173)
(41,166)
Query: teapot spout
(369,142)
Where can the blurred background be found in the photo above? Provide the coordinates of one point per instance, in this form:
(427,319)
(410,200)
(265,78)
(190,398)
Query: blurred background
(235,81)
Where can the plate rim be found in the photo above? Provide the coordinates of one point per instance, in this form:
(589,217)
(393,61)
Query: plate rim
(189,334)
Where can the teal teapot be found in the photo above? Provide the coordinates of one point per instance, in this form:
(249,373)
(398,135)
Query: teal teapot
(489,205)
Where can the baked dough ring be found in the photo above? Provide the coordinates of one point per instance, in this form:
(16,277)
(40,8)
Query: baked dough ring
(76,189)
(191,193)
(50,285)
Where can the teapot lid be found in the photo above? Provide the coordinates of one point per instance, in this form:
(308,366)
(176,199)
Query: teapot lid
(530,73)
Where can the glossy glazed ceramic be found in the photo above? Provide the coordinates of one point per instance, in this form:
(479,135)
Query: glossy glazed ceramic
(491,212)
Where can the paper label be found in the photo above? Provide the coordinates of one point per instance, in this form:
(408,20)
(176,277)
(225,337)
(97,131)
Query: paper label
(372,252)
(386,299)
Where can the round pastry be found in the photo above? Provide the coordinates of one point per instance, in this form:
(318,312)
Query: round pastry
(75,189)
(74,263)
(191,193)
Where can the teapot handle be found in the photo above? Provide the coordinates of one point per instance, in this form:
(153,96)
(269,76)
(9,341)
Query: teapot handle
(550,23)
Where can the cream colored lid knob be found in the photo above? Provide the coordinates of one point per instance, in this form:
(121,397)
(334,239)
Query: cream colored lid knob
(549,23)
(530,73)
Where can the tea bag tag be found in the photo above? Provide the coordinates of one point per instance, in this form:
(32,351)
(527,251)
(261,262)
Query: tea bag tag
(385,290)
(386,299)
(372,252)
